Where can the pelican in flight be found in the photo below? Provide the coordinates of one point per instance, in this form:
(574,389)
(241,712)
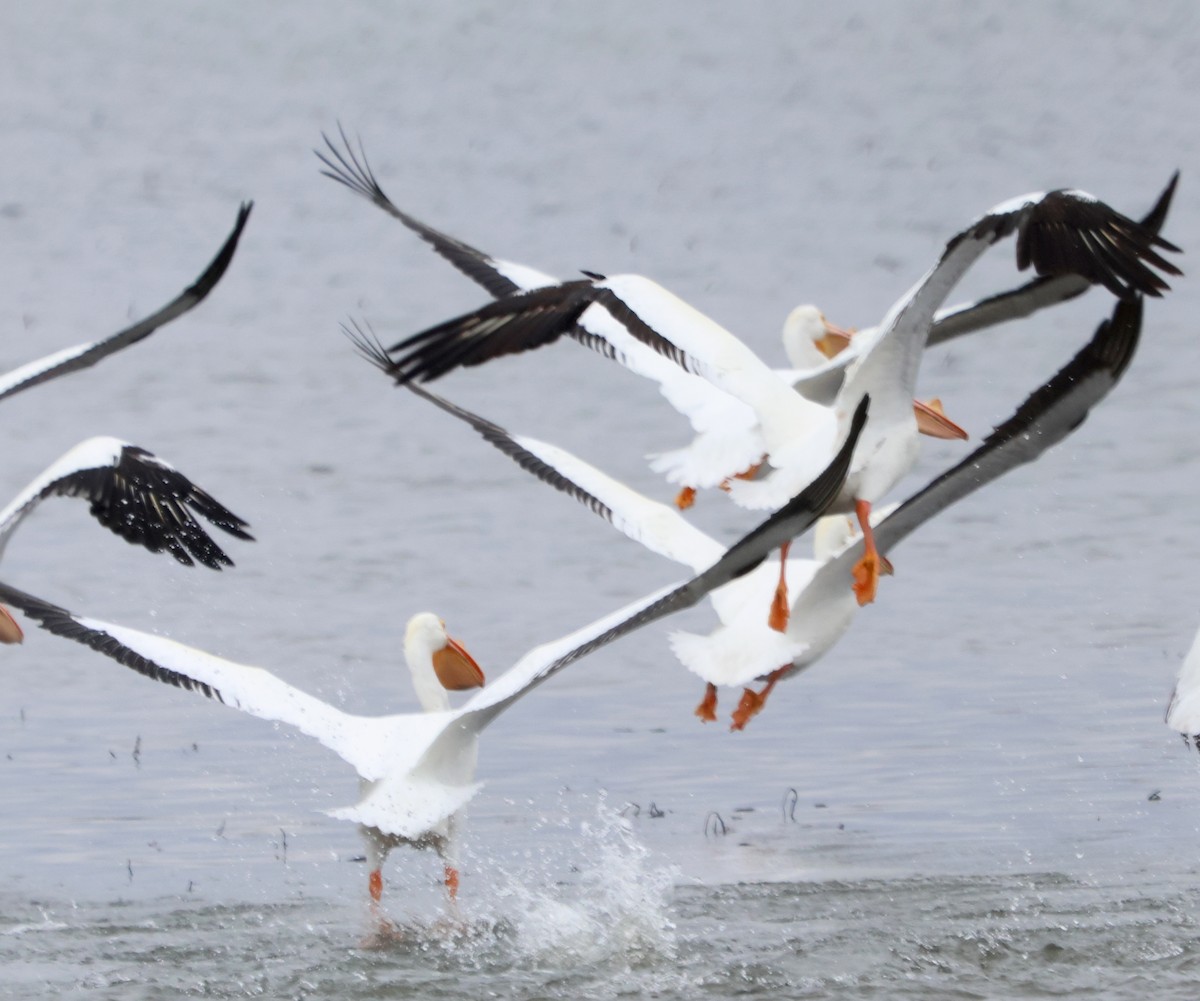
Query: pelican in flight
(743,648)
(728,443)
(1062,232)
(418,769)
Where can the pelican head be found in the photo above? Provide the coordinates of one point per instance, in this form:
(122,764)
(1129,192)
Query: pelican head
(809,339)
(438,662)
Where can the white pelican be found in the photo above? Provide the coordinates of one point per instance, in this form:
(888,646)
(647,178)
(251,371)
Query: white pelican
(135,494)
(85,355)
(742,648)
(418,768)
(728,439)
(1059,232)
(1048,416)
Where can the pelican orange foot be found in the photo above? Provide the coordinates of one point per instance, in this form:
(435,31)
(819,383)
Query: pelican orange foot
(707,709)
(781,608)
(746,474)
(752,702)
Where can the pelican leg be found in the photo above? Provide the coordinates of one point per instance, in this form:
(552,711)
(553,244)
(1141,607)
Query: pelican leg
(451,881)
(867,570)
(752,702)
(685,498)
(748,473)
(707,709)
(375,885)
(780,612)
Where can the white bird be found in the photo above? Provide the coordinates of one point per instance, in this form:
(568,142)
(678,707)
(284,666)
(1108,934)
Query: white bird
(743,648)
(1183,709)
(663,530)
(823,609)
(136,495)
(83,356)
(728,441)
(1060,232)
(418,768)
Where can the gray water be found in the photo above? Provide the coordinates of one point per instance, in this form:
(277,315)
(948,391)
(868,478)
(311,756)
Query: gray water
(973,796)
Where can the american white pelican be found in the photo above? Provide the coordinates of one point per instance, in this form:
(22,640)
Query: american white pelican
(1059,232)
(742,648)
(1048,416)
(85,355)
(727,439)
(663,530)
(138,496)
(418,768)
(814,347)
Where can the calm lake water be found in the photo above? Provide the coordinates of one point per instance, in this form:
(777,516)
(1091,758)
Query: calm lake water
(972,796)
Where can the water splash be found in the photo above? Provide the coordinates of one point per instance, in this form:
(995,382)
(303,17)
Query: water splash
(614,905)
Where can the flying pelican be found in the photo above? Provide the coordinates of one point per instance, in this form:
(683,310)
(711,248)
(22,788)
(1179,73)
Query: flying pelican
(727,435)
(1059,232)
(728,438)
(418,768)
(742,648)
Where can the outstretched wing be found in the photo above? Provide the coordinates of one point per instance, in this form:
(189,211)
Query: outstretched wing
(1047,417)
(1034,295)
(659,528)
(85,355)
(796,517)
(135,494)
(350,167)
(362,741)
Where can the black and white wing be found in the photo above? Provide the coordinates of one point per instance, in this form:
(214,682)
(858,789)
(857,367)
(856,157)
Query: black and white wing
(795,518)
(350,167)
(365,742)
(1058,233)
(966,318)
(656,526)
(1047,417)
(85,355)
(135,494)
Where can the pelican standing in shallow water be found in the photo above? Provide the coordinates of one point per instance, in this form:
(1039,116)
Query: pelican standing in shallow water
(418,768)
